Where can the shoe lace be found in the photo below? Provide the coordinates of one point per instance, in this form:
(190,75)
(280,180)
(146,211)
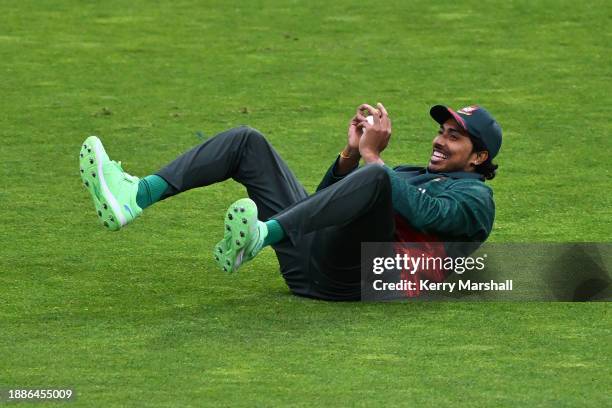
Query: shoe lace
(117,165)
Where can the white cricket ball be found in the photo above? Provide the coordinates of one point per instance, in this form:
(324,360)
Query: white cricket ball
(370,120)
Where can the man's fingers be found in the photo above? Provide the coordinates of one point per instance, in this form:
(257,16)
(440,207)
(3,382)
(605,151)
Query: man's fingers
(361,109)
(366,107)
(384,116)
(382,109)
(359,121)
(384,120)
(372,110)
(363,122)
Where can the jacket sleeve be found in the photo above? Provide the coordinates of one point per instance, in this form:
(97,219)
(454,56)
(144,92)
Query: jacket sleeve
(464,210)
(331,177)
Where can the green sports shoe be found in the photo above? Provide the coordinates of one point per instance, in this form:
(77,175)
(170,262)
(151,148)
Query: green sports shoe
(113,191)
(244,236)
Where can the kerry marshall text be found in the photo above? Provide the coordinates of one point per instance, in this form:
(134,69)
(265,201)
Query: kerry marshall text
(427,285)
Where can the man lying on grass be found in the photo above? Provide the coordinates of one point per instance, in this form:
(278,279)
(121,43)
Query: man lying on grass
(317,238)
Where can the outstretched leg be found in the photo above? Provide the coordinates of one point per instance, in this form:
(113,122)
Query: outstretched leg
(244,155)
(241,153)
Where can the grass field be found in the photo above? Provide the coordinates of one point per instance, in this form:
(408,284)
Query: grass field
(142,318)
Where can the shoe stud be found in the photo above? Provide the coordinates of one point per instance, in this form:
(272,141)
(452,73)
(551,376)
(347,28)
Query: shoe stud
(106,224)
(224,269)
(90,161)
(93,175)
(105,206)
(81,154)
(220,250)
(237,242)
(216,257)
(230,216)
(241,209)
(88,150)
(227,227)
(99,213)
(244,220)
(241,234)
(82,171)
(86,184)
(235,209)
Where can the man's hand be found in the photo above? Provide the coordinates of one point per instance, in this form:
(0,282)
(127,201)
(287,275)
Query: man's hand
(355,131)
(349,158)
(377,135)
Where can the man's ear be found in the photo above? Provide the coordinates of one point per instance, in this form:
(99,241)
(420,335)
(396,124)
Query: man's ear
(479,158)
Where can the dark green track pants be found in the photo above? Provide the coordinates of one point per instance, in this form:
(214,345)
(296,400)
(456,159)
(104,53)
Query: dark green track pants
(321,257)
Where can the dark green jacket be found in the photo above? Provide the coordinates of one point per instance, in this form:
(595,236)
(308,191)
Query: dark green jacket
(455,206)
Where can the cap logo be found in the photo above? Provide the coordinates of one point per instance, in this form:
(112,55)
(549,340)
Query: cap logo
(468,110)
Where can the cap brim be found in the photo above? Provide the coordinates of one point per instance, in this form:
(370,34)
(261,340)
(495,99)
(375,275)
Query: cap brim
(441,114)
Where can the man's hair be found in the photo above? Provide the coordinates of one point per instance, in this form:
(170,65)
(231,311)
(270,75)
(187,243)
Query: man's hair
(488,169)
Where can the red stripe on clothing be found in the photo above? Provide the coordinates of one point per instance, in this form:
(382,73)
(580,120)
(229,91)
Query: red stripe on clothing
(421,245)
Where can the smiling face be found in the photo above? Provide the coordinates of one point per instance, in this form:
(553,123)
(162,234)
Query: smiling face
(453,150)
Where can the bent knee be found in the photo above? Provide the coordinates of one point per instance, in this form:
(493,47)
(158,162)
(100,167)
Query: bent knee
(243,135)
(378,175)
(251,133)
(375,171)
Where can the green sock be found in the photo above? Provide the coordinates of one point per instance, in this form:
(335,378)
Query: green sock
(276,233)
(150,190)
